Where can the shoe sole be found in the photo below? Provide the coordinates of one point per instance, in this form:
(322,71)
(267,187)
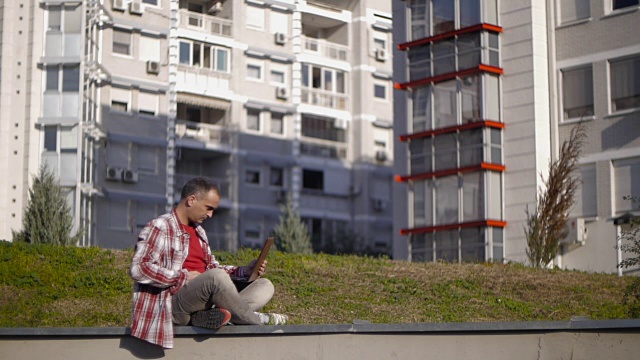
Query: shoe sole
(211,319)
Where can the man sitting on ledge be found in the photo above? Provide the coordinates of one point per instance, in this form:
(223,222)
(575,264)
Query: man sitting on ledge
(178,280)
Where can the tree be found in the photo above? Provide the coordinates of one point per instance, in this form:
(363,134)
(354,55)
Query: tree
(291,233)
(629,241)
(546,223)
(47,218)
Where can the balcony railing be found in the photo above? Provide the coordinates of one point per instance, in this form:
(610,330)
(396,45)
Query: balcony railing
(208,133)
(206,23)
(325,48)
(324,98)
(323,148)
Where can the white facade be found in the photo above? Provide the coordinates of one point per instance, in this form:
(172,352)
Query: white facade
(267,98)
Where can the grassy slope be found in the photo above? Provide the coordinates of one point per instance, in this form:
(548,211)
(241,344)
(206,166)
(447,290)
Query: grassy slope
(57,286)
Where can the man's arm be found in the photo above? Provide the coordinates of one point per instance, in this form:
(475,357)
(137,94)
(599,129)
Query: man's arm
(147,264)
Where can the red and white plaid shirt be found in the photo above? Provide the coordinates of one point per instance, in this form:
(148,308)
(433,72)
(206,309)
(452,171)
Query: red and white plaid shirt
(157,269)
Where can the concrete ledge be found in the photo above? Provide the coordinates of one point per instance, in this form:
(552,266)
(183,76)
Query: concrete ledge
(360,327)
(576,339)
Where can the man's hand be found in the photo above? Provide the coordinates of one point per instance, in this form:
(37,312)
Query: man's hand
(192,275)
(263,267)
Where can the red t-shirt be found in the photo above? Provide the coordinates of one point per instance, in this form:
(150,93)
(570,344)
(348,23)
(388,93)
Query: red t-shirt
(195,260)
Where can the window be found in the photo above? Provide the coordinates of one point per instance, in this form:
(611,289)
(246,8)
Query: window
(625,83)
(420,62)
(277,123)
(443,16)
(255,17)
(433,17)
(380,91)
(252,176)
(455,150)
(254,71)
(151,2)
(70,78)
(54,18)
(586,198)
(276,177)
(621,4)
(277,77)
(572,10)
(577,93)
(253,119)
(323,78)
(120,99)
(204,56)
(60,139)
(470,95)
(51,138)
(322,128)
(147,103)
(469,13)
(422,247)
(626,174)
(312,179)
(53,74)
(379,43)
(445,100)
(436,106)
(65,18)
(121,41)
(419,16)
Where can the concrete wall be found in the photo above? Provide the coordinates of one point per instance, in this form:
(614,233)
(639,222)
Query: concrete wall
(616,339)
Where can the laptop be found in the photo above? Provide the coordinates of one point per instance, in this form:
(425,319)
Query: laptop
(242,282)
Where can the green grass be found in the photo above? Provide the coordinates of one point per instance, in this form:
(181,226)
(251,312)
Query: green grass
(43,285)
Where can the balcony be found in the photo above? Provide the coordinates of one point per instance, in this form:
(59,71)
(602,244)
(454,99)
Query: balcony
(203,80)
(323,148)
(324,98)
(324,48)
(206,23)
(204,132)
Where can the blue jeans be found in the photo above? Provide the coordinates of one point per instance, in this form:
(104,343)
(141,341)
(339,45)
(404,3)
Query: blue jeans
(215,288)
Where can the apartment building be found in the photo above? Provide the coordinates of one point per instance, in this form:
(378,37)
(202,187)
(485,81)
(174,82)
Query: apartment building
(487,92)
(128,99)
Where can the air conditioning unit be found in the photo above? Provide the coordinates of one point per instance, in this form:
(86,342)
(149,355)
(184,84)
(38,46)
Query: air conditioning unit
(282,93)
(575,232)
(118,5)
(215,8)
(379,204)
(381,155)
(280,38)
(113,173)
(136,7)
(153,67)
(130,176)
(181,130)
(381,54)
(340,124)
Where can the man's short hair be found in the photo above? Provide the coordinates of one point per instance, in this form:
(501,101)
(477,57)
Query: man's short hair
(198,186)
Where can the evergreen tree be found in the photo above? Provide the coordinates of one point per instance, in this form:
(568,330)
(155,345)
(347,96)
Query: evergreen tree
(291,233)
(47,218)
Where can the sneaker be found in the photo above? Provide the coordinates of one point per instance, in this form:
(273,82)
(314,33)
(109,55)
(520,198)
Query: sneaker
(210,319)
(272,318)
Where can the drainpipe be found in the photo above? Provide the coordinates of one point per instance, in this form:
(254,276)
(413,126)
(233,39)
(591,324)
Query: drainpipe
(619,250)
